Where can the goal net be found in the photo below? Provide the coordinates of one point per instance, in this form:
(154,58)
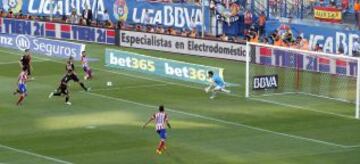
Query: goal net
(275,71)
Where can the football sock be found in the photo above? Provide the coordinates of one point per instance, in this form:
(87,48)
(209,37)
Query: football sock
(21,98)
(83,86)
(161,145)
(57,94)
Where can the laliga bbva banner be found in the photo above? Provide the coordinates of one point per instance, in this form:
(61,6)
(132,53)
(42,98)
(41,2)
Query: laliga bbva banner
(53,48)
(327,37)
(132,11)
(158,66)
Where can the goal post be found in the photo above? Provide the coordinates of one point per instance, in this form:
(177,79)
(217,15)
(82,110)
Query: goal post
(273,70)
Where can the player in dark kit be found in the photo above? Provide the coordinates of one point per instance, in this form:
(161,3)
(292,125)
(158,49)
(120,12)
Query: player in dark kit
(70,68)
(63,89)
(25,62)
(69,75)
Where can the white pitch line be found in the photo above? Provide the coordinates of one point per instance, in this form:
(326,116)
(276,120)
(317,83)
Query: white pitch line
(193,87)
(17,62)
(35,154)
(302,108)
(131,87)
(223,121)
(274,94)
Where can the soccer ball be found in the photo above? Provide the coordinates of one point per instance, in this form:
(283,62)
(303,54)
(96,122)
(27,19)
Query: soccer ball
(109,83)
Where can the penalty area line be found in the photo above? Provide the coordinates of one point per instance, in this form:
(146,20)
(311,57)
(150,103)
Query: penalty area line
(223,121)
(302,108)
(35,154)
(130,87)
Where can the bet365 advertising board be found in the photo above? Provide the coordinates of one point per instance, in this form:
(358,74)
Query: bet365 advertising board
(159,66)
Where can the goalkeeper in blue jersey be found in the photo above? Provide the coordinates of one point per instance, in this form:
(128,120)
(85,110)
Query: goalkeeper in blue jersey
(217,85)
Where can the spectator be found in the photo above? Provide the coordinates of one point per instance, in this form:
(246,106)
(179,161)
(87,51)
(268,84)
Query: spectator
(248,38)
(73,18)
(10,15)
(119,25)
(278,41)
(152,30)
(262,21)
(318,48)
(254,37)
(340,50)
(192,23)
(108,24)
(171,31)
(304,44)
(160,29)
(193,33)
(357,12)
(82,21)
(248,20)
(146,17)
(184,33)
(105,17)
(87,15)
(345,5)
(138,28)
(64,19)
(356,48)
(19,15)
(321,2)
(223,37)
(265,40)
(2,13)
(332,4)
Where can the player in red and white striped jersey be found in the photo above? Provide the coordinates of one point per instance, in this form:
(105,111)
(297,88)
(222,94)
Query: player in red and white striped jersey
(86,67)
(161,120)
(21,90)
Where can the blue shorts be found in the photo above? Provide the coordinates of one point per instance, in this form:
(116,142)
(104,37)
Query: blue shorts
(22,88)
(162,133)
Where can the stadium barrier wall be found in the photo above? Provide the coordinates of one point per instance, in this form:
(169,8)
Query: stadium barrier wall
(183,45)
(58,30)
(48,47)
(159,66)
(176,44)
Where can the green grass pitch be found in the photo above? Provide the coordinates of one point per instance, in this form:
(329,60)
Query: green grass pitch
(104,125)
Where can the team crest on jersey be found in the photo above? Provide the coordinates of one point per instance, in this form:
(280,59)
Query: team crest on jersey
(13,5)
(121,10)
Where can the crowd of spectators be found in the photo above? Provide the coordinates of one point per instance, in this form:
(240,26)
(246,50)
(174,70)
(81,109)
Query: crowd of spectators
(86,18)
(254,29)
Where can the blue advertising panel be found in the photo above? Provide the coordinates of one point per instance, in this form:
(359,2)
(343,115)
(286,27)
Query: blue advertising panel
(48,47)
(57,30)
(159,66)
(179,15)
(331,39)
